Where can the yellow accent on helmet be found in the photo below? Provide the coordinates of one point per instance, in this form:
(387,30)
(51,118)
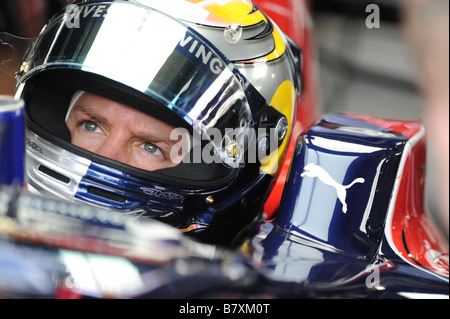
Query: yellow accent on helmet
(284,101)
(280,47)
(239,12)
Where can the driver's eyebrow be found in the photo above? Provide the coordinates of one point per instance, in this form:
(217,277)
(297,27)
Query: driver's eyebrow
(90,113)
(156,139)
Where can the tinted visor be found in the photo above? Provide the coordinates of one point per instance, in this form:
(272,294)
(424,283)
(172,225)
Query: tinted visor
(159,57)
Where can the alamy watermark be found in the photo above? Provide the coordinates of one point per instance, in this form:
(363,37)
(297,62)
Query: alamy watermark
(74,14)
(373,19)
(373,279)
(233,147)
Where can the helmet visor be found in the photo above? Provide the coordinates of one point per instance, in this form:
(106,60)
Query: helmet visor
(159,57)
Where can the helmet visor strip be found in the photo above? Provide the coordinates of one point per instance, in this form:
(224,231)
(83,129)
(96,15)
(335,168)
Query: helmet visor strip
(160,57)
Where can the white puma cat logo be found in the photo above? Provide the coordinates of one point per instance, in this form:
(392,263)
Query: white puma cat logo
(313,170)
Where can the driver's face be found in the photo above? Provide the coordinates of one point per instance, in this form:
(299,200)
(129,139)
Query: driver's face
(121,133)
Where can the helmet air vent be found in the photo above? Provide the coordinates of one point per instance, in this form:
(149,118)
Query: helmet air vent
(54,174)
(107,195)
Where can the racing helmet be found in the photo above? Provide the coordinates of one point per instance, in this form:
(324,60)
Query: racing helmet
(220,73)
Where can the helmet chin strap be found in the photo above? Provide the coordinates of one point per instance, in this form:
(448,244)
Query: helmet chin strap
(74,100)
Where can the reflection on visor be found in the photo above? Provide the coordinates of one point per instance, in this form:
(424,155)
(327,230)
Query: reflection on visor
(173,65)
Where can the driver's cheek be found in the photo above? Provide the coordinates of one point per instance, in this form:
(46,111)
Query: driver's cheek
(116,149)
(150,162)
(88,143)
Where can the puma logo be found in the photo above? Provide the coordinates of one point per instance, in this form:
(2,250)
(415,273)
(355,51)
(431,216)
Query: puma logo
(313,170)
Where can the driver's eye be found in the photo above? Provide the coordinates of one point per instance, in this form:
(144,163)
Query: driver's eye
(90,126)
(151,148)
